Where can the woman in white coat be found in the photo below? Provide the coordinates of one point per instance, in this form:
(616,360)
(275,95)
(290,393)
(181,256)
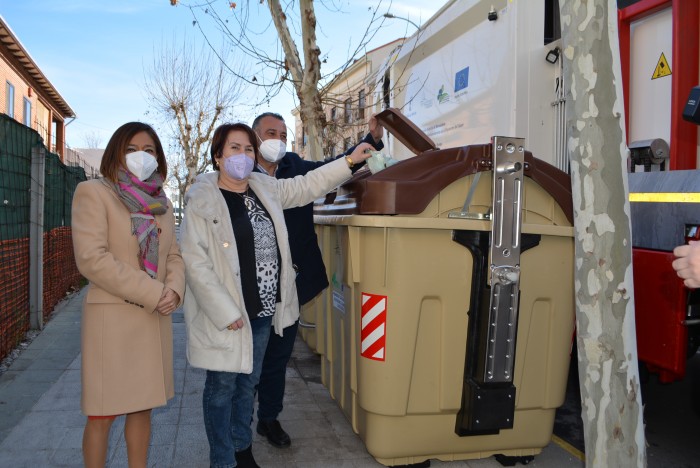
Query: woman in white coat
(240,278)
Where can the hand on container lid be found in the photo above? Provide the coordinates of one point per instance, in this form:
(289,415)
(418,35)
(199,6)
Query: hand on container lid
(375,128)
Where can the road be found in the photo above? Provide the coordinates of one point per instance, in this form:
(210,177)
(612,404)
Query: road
(672,424)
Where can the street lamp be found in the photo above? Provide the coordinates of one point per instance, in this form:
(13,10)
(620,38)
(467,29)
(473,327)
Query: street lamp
(390,16)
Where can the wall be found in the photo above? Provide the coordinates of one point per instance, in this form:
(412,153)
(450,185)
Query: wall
(41,115)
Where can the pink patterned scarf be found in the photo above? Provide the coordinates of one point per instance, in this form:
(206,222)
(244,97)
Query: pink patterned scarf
(144,200)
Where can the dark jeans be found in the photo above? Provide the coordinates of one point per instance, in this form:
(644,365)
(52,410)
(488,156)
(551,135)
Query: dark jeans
(228,403)
(274,371)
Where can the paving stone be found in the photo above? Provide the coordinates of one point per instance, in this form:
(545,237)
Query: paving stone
(192,400)
(72,437)
(22,458)
(165,417)
(189,434)
(191,456)
(67,457)
(35,434)
(192,415)
(41,424)
(163,434)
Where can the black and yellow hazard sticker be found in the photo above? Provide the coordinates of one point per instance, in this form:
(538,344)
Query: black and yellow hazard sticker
(662,68)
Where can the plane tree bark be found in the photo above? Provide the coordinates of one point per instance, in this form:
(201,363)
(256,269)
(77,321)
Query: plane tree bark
(605,324)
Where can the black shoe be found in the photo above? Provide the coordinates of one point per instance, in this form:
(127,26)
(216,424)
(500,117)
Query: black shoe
(244,458)
(274,433)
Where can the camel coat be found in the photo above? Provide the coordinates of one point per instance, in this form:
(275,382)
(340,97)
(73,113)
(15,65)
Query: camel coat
(127,348)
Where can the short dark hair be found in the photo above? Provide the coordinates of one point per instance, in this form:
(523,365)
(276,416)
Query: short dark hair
(219,140)
(113,157)
(256,122)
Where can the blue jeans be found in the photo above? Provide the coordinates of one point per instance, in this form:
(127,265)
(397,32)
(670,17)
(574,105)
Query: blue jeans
(228,403)
(274,372)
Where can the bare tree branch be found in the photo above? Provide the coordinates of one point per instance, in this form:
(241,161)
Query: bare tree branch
(191,91)
(275,61)
(93,139)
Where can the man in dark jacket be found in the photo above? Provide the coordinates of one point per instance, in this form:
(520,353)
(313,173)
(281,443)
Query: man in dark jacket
(306,255)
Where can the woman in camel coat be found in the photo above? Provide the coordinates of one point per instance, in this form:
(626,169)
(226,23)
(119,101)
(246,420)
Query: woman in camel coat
(136,282)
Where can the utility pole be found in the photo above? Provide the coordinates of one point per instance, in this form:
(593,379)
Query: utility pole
(36,239)
(607,344)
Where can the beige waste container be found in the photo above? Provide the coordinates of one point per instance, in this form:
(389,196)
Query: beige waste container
(313,314)
(311,317)
(406,333)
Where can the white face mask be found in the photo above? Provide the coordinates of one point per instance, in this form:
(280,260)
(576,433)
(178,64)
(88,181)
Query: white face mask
(141,164)
(273,150)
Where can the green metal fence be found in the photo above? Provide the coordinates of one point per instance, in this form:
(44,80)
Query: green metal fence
(60,274)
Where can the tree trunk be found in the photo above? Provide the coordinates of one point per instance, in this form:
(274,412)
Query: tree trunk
(306,77)
(607,345)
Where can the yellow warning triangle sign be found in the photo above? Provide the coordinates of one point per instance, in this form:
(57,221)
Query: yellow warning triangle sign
(662,68)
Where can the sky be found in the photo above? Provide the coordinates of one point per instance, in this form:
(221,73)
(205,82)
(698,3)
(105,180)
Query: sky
(94,51)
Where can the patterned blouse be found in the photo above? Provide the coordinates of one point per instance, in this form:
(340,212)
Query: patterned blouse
(255,233)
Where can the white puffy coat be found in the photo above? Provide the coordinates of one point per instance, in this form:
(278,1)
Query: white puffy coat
(213,298)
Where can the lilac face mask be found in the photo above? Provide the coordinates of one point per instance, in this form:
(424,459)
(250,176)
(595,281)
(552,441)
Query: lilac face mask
(238,166)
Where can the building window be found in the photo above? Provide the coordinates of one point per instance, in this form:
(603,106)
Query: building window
(348,111)
(27,115)
(347,144)
(10,96)
(361,103)
(360,136)
(334,114)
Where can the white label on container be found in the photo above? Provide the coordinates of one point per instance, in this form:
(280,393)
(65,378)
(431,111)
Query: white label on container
(339,299)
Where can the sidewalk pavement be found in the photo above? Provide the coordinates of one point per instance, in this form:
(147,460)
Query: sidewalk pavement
(41,424)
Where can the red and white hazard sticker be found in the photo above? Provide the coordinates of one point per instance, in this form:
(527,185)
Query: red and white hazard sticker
(373,327)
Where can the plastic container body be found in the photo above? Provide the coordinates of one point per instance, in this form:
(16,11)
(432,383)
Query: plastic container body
(395,327)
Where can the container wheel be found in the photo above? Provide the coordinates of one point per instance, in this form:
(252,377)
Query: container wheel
(511,461)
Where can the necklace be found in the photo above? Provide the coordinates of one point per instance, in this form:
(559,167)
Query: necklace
(243,194)
(248,201)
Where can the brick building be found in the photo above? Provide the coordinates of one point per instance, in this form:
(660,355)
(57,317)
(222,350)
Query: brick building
(28,96)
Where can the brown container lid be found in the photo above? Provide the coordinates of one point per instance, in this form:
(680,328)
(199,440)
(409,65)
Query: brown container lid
(405,131)
(410,185)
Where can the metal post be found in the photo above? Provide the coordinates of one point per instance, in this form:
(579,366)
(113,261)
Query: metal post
(36,239)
